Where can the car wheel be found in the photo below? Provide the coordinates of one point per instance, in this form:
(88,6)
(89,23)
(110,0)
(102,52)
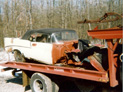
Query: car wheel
(40,83)
(18,57)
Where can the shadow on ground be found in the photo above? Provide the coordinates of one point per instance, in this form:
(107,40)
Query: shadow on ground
(18,80)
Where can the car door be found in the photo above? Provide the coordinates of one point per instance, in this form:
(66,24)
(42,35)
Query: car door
(41,50)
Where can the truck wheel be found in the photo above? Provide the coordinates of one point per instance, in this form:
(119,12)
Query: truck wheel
(18,57)
(40,83)
(55,87)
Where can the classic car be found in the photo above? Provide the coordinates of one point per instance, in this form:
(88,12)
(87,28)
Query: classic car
(49,46)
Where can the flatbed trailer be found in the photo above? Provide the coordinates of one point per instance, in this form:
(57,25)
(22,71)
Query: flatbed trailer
(58,70)
(94,75)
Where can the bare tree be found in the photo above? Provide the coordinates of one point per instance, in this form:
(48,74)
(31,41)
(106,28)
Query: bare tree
(21,15)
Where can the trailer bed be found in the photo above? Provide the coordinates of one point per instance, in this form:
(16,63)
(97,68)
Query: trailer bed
(60,70)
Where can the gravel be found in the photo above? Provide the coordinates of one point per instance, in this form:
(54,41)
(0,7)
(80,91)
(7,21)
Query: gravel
(9,83)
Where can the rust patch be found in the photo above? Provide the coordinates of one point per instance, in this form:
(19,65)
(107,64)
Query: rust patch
(59,50)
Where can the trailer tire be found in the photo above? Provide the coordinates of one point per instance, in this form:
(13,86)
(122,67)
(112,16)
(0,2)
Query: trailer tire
(40,83)
(18,56)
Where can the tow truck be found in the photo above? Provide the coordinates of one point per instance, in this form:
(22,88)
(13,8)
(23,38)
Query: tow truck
(37,74)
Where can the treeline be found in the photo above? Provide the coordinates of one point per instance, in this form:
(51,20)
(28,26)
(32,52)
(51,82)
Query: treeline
(18,16)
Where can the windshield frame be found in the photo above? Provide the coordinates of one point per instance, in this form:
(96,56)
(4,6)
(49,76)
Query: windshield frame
(54,38)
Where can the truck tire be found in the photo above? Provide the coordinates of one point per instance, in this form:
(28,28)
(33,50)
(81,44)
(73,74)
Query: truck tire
(40,83)
(55,87)
(18,57)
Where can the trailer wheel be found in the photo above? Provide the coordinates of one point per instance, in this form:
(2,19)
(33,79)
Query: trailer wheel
(40,83)
(18,56)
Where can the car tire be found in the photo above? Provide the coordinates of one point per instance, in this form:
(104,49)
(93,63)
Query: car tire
(19,57)
(40,83)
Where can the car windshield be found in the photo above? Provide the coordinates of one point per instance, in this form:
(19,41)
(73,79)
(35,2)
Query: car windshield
(64,36)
